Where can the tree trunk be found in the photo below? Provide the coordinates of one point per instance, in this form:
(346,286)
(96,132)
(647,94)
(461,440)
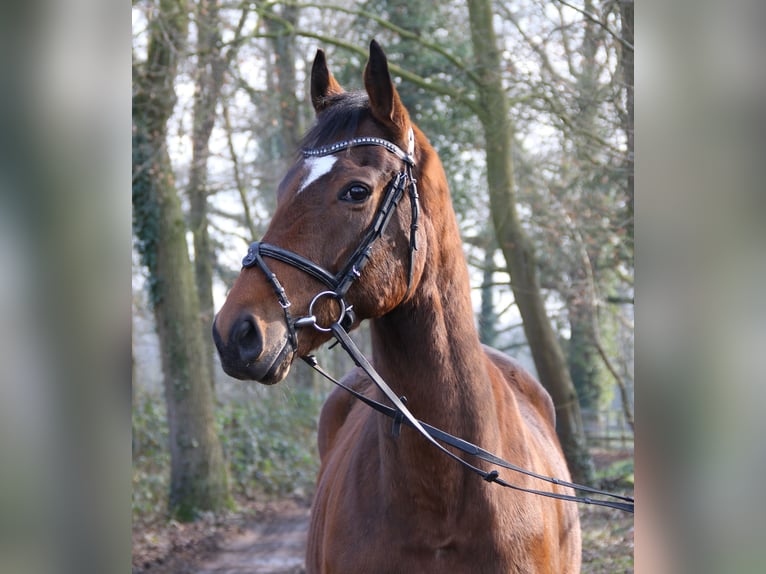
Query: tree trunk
(198,478)
(487,315)
(626,61)
(283,43)
(517,250)
(290,129)
(582,359)
(210,68)
(579,290)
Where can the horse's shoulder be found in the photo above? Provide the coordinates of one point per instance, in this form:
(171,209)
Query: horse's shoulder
(523,383)
(337,407)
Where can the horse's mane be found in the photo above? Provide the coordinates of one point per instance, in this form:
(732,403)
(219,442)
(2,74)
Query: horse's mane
(339,120)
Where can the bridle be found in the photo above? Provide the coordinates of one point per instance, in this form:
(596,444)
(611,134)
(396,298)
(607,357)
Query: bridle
(339,284)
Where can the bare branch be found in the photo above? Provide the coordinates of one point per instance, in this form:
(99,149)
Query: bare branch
(426,83)
(404,33)
(598,21)
(626,409)
(249,223)
(618,300)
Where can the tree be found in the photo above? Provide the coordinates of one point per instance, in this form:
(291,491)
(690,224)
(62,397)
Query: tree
(211,66)
(487,316)
(562,252)
(516,248)
(626,64)
(198,478)
(580,189)
(209,79)
(282,35)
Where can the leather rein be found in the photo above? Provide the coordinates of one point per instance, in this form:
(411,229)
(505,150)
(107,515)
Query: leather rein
(338,285)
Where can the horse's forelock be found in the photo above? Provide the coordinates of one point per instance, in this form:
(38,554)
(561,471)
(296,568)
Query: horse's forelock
(339,120)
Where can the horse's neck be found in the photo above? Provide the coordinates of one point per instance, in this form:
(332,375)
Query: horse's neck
(429,351)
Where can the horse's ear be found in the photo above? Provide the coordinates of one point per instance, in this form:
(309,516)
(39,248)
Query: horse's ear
(385,104)
(323,84)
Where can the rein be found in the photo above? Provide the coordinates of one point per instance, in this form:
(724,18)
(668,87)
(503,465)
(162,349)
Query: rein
(338,285)
(401,414)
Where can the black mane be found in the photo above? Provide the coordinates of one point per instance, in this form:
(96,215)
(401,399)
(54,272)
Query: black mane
(338,121)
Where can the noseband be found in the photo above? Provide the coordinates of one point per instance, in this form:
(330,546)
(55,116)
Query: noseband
(340,282)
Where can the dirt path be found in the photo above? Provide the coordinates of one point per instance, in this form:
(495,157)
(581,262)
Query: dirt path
(273,541)
(276,545)
(272,546)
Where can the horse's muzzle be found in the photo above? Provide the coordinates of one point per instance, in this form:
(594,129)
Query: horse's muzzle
(244,354)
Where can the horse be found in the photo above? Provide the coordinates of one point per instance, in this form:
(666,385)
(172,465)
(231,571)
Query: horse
(389,501)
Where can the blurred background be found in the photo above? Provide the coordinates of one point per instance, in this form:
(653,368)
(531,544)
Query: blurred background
(220,101)
(77,468)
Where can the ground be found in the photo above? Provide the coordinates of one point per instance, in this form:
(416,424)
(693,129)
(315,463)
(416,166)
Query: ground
(271,541)
(269,538)
(260,538)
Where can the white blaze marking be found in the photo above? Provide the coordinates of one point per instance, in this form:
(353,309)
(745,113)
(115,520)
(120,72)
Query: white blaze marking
(318,166)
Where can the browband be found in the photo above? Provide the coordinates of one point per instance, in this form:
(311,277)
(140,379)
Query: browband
(330,149)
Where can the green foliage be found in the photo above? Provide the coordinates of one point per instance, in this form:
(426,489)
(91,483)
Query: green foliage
(269,442)
(146,211)
(618,475)
(151,458)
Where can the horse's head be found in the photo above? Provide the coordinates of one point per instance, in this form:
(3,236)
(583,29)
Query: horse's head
(345,223)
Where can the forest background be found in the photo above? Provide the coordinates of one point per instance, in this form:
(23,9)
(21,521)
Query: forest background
(530,106)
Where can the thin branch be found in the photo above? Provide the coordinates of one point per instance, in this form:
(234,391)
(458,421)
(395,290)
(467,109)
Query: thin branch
(511,327)
(228,231)
(237,177)
(536,47)
(619,300)
(239,39)
(598,22)
(507,308)
(403,32)
(593,302)
(565,41)
(513,347)
(435,87)
(494,284)
(570,124)
(627,411)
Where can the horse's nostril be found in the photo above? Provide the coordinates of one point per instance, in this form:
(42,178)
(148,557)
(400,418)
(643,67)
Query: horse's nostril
(247,337)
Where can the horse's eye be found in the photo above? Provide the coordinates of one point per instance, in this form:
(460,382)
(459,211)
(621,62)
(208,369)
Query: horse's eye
(355,193)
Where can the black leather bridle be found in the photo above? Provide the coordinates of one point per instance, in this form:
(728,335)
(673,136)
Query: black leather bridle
(338,285)
(340,282)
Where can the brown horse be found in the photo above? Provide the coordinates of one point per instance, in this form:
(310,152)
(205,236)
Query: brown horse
(391,502)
